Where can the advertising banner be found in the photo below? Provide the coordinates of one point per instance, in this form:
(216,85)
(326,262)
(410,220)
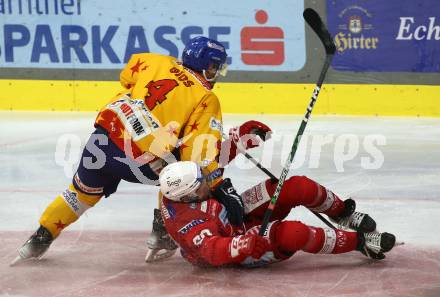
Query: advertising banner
(87,34)
(385,36)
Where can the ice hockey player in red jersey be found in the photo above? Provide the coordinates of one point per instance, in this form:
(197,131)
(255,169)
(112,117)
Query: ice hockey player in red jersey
(200,226)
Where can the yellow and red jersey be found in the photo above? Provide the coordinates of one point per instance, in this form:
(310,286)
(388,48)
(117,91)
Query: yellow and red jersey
(164,106)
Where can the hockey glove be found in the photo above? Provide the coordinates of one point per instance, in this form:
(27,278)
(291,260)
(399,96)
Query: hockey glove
(227,195)
(250,134)
(249,245)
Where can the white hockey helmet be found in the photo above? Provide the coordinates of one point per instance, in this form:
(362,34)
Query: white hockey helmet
(179,180)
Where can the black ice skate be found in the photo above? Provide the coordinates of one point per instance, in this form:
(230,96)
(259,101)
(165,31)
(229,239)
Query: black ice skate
(160,244)
(35,246)
(375,244)
(352,219)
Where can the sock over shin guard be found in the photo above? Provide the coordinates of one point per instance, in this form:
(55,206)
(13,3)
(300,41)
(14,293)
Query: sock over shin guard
(292,236)
(320,199)
(66,209)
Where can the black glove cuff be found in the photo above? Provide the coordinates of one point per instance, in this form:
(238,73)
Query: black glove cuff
(227,195)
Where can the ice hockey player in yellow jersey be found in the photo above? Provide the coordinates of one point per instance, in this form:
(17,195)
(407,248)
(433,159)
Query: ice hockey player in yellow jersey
(166,112)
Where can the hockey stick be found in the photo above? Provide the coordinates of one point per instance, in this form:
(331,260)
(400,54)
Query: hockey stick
(274,178)
(314,20)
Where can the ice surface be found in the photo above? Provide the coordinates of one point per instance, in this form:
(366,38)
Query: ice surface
(102,254)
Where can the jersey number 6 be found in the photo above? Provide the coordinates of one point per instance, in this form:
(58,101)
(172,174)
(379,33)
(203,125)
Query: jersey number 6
(157,91)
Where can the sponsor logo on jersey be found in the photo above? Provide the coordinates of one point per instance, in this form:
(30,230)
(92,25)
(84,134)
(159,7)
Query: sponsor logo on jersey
(133,115)
(252,196)
(190,225)
(115,103)
(132,119)
(255,196)
(216,124)
(223,216)
(86,189)
(213,175)
(141,103)
(204,206)
(170,210)
(164,211)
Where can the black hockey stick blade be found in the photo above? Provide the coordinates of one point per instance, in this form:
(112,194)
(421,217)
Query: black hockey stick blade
(314,20)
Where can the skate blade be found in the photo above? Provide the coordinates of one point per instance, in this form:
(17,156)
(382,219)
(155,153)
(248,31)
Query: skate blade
(20,259)
(156,255)
(373,255)
(15,261)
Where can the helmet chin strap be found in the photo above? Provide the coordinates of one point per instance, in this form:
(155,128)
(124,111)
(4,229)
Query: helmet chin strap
(210,79)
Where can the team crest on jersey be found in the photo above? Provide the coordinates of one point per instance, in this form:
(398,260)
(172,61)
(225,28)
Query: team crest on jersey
(190,225)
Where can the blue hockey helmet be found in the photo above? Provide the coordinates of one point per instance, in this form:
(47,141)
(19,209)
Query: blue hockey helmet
(206,56)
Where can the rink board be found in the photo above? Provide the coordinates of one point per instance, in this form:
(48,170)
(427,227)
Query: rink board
(249,98)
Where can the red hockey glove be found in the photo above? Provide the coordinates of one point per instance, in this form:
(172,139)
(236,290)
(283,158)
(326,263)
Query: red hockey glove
(249,245)
(250,134)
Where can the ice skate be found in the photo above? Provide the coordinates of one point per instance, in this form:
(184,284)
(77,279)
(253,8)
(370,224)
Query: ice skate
(375,244)
(352,219)
(35,246)
(159,244)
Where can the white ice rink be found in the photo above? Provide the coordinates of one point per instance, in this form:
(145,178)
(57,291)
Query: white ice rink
(391,166)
